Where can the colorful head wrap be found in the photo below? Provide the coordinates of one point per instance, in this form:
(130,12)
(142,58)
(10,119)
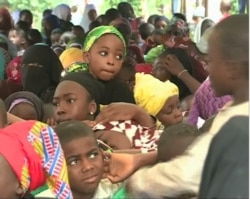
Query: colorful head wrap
(151,93)
(71,55)
(98,32)
(13,70)
(35,157)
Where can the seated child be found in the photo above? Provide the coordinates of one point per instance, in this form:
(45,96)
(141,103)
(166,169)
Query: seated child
(78,96)
(3,114)
(55,36)
(98,49)
(85,161)
(175,140)
(31,162)
(127,72)
(159,99)
(145,31)
(25,105)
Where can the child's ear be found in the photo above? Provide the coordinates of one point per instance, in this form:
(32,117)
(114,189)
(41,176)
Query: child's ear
(86,57)
(149,41)
(92,107)
(19,190)
(23,41)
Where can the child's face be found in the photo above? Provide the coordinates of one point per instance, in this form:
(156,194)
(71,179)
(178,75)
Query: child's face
(171,113)
(9,185)
(85,165)
(55,38)
(105,57)
(78,32)
(71,102)
(157,39)
(217,69)
(27,18)
(159,70)
(128,77)
(160,24)
(46,28)
(29,113)
(15,38)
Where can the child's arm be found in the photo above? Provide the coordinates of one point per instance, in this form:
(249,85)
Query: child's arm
(120,166)
(125,111)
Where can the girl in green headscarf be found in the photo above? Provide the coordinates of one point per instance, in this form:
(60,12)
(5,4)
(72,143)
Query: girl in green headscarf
(104,49)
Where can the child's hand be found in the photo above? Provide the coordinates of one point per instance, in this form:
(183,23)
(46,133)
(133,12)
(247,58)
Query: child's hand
(118,166)
(173,65)
(90,123)
(51,122)
(124,111)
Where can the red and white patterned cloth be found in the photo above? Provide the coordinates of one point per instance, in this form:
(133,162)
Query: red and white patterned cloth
(143,138)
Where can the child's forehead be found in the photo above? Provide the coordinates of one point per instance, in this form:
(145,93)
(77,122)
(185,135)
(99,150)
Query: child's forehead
(84,144)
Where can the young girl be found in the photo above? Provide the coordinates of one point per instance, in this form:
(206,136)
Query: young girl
(159,99)
(104,50)
(78,96)
(32,161)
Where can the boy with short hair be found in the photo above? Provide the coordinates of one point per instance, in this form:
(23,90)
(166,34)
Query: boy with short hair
(84,160)
(175,140)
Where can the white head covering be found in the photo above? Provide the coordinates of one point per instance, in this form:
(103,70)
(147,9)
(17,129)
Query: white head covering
(15,16)
(199,11)
(202,45)
(197,30)
(62,11)
(85,19)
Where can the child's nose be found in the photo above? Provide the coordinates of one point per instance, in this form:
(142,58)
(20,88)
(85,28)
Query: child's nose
(86,165)
(60,110)
(178,113)
(111,60)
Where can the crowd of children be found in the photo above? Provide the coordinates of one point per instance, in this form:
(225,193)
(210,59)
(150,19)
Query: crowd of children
(123,108)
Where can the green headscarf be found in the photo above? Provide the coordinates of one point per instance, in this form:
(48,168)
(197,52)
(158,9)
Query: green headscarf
(99,31)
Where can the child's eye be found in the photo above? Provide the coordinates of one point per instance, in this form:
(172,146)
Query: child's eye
(71,101)
(103,53)
(119,57)
(55,103)
(73,162)
(93,155)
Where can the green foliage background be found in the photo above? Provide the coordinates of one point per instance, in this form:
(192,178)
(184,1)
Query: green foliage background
(37,6)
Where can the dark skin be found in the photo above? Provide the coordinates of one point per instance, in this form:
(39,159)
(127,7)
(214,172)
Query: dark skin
(230,78)
(111,139)
(85,166)
(9,185)
(175,146)
(29,113)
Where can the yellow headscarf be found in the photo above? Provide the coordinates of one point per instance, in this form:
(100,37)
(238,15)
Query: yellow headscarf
(151,93)
(71,55)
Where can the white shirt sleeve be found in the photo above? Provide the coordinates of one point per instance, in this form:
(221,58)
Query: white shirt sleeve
(180,175)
